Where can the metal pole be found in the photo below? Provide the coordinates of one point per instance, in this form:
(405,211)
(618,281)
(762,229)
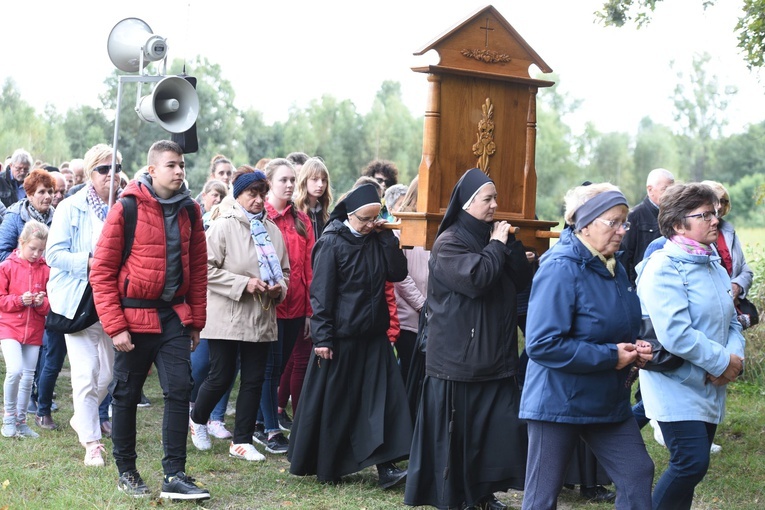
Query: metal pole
(114,143)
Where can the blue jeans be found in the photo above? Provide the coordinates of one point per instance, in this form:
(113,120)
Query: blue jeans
(51,360)
(171,354)
(688,443)
(638,411)
(200,367)
(103,409)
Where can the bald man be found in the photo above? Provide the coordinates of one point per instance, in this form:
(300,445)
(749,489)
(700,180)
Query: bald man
(644,219)
(59,190)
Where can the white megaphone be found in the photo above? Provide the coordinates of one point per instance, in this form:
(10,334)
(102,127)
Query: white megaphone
(130,38)
(173,105)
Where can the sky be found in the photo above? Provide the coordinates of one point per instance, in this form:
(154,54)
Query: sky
(279,53)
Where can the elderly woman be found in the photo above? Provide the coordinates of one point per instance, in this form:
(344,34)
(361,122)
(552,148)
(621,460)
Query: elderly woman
(76,228)
(580,354)
(468,441)
(38,186)
(241,300)
(353,411)
(687,294)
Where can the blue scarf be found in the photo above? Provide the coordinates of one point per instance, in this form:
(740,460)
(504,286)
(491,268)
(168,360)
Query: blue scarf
(268,262)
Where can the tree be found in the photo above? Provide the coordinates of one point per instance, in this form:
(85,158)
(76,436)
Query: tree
(655,147)
(750,26)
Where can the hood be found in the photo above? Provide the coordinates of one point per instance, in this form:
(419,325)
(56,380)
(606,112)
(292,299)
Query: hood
(571,248)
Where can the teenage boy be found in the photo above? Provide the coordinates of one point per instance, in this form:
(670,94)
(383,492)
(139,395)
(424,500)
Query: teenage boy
(153,306)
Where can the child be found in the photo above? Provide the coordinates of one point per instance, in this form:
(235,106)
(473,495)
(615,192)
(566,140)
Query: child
(23,307)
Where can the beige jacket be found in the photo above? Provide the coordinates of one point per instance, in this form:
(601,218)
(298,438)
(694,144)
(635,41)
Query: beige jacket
(232,312)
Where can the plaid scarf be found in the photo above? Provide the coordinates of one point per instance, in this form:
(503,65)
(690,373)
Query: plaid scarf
(98,206)
(268,262)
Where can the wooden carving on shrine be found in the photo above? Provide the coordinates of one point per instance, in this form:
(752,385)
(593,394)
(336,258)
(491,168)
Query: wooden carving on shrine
(481,112)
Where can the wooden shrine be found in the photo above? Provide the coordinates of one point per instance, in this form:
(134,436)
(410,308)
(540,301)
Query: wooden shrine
(481,112)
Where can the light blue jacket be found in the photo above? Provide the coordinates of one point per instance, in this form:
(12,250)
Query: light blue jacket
(70,244)
(688,298)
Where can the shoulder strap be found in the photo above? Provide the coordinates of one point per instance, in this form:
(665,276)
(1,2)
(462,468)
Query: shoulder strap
(130,215)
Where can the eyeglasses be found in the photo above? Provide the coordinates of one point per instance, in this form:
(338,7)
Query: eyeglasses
(365,221)
(615,224)
(380,180)
(105,169)
(706,215)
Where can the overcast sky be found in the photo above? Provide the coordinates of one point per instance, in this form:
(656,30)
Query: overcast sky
(281,53)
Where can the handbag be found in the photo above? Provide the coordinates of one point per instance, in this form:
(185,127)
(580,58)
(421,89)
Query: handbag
(748,315)
(663,360)
(84,317)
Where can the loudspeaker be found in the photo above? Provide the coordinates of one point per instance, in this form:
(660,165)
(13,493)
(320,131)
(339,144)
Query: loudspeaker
(126,41)
(188,139)
(173,105)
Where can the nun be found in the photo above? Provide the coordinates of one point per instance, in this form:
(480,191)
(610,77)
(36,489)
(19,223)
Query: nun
(468,442)
(354,411)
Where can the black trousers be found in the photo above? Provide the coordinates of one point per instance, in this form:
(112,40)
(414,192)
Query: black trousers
(223,356)
(170,351)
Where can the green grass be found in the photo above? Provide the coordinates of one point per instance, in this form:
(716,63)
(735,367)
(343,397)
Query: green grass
(48,473)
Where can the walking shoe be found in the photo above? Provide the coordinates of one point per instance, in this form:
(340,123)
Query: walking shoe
(597,494)
(245,451)
(45,422)
(131,483)
(277,444)
(715,448)
(199,436)
(9,426)
(94,455)
(218,429)
(492,503)
(285,422)
(230,409)
(106,428)
(145,402)
(389,475)
(24,430)
(183,487)
(260,436)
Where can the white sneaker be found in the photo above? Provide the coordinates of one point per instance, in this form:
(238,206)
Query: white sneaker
(245,451)
(9,426)
(218,429)
(657,435)
(24,430)
(94,455)
(199,436)
(715,448)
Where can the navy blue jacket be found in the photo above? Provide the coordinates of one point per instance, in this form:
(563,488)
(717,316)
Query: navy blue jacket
(577,314)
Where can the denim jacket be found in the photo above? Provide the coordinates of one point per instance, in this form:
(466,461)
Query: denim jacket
(688,298)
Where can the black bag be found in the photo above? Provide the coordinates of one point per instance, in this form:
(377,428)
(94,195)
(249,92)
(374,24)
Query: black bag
(663,360)
(749,312)
(84,317)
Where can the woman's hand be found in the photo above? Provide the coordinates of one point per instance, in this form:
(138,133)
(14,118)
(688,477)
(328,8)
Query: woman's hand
(256,286)
(736,289)
(307,328)
(323,352)
(627,354)
(500,231)
(735,367)
(274,291)
(644,352)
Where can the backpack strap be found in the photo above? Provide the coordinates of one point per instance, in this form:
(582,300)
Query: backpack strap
(130,216)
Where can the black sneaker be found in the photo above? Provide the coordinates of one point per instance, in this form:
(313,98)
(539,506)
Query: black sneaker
(277,444)
(131,483)
(285,422)
(260,436)
(183,487)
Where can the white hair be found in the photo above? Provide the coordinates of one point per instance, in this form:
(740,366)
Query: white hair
(658,174)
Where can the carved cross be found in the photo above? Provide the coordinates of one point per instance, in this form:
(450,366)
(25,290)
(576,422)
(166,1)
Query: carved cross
(487,31)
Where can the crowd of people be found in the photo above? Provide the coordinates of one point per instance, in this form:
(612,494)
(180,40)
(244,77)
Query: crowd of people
(380,354)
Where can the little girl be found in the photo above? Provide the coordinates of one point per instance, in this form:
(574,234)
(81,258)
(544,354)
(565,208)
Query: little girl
(23,307)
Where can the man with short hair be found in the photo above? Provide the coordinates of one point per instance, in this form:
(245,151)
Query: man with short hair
(66,172)
(59,190)
(77,166)
(153,306)
(12,179)
(644,222)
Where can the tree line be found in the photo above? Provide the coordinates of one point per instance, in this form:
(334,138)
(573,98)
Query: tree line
(693,148)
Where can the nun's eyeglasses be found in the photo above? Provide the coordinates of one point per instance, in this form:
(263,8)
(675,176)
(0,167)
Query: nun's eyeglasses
(365,221)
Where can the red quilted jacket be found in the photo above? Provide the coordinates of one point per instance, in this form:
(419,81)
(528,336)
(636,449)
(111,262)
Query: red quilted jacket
(17,276)
(143,274)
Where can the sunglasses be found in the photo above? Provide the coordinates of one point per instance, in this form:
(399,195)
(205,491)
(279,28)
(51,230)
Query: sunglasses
(105,169)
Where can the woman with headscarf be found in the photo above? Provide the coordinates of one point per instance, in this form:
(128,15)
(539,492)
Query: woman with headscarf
(580,354)
(468,442)
(353,411)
